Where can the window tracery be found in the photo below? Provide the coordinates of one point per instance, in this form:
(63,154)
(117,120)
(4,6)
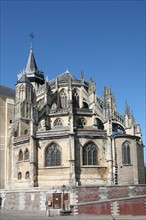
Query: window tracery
(58,122)
(52,155)
(90,154)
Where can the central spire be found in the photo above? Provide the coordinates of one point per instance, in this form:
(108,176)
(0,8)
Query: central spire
(31,64)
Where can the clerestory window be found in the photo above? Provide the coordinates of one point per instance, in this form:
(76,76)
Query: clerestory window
(126,158)
(90,154)
(52,155)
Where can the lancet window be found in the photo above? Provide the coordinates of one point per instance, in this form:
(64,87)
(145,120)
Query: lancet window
(27,175)
(19,176)
(63,99)
(126,158)
(20,156)
(26,154)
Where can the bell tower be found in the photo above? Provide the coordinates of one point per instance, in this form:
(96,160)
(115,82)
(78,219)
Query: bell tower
(24,96)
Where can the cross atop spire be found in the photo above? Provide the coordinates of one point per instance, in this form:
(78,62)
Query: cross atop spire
(31,37)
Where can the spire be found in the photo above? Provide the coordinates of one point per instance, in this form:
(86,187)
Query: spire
(31,64)
(127,109)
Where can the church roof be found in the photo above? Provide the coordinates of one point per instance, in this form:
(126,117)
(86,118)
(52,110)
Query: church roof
(23,79)
(63,77)
(6,91)
(31,64)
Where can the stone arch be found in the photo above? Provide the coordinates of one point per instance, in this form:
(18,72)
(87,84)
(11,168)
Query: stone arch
(117,128)
(99,123)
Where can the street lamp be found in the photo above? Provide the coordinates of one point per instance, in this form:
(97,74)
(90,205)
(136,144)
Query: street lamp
(63,187)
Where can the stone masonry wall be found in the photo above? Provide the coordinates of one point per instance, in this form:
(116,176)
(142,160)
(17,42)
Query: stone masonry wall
(96,200)
(112,200)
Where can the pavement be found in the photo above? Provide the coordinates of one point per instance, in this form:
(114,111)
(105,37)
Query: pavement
(42,215)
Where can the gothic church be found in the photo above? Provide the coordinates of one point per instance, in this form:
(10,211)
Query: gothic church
(63,133)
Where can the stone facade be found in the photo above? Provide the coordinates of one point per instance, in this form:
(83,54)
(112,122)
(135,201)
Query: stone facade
(7,96)
(63,133)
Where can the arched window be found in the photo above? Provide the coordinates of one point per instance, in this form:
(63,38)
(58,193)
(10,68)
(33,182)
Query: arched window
(90,154)
(20,157)
(126,153)
(26,154)
(52,155)
(19,176)
(75,98)
(27,175)
(21,92)
(26,131)
(58,122)
(63,99)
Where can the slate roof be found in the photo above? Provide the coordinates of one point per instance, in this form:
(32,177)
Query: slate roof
(23,79)
(7,91)
(63,77)
(31,64)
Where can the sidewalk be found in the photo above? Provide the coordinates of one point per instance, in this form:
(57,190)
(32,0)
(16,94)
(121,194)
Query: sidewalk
(41,215)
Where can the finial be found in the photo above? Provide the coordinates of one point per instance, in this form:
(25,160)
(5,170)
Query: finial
(47,80)
(82,75)
(91,80)
(31,37)
(67,70)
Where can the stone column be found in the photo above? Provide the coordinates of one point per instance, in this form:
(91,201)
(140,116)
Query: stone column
(72,160)
(109,160)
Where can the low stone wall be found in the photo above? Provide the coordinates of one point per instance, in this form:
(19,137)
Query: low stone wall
(30,199)
(98,200)
(23,199)
(112,200)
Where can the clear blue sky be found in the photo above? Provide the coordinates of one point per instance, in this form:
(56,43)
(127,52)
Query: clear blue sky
(105,39)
